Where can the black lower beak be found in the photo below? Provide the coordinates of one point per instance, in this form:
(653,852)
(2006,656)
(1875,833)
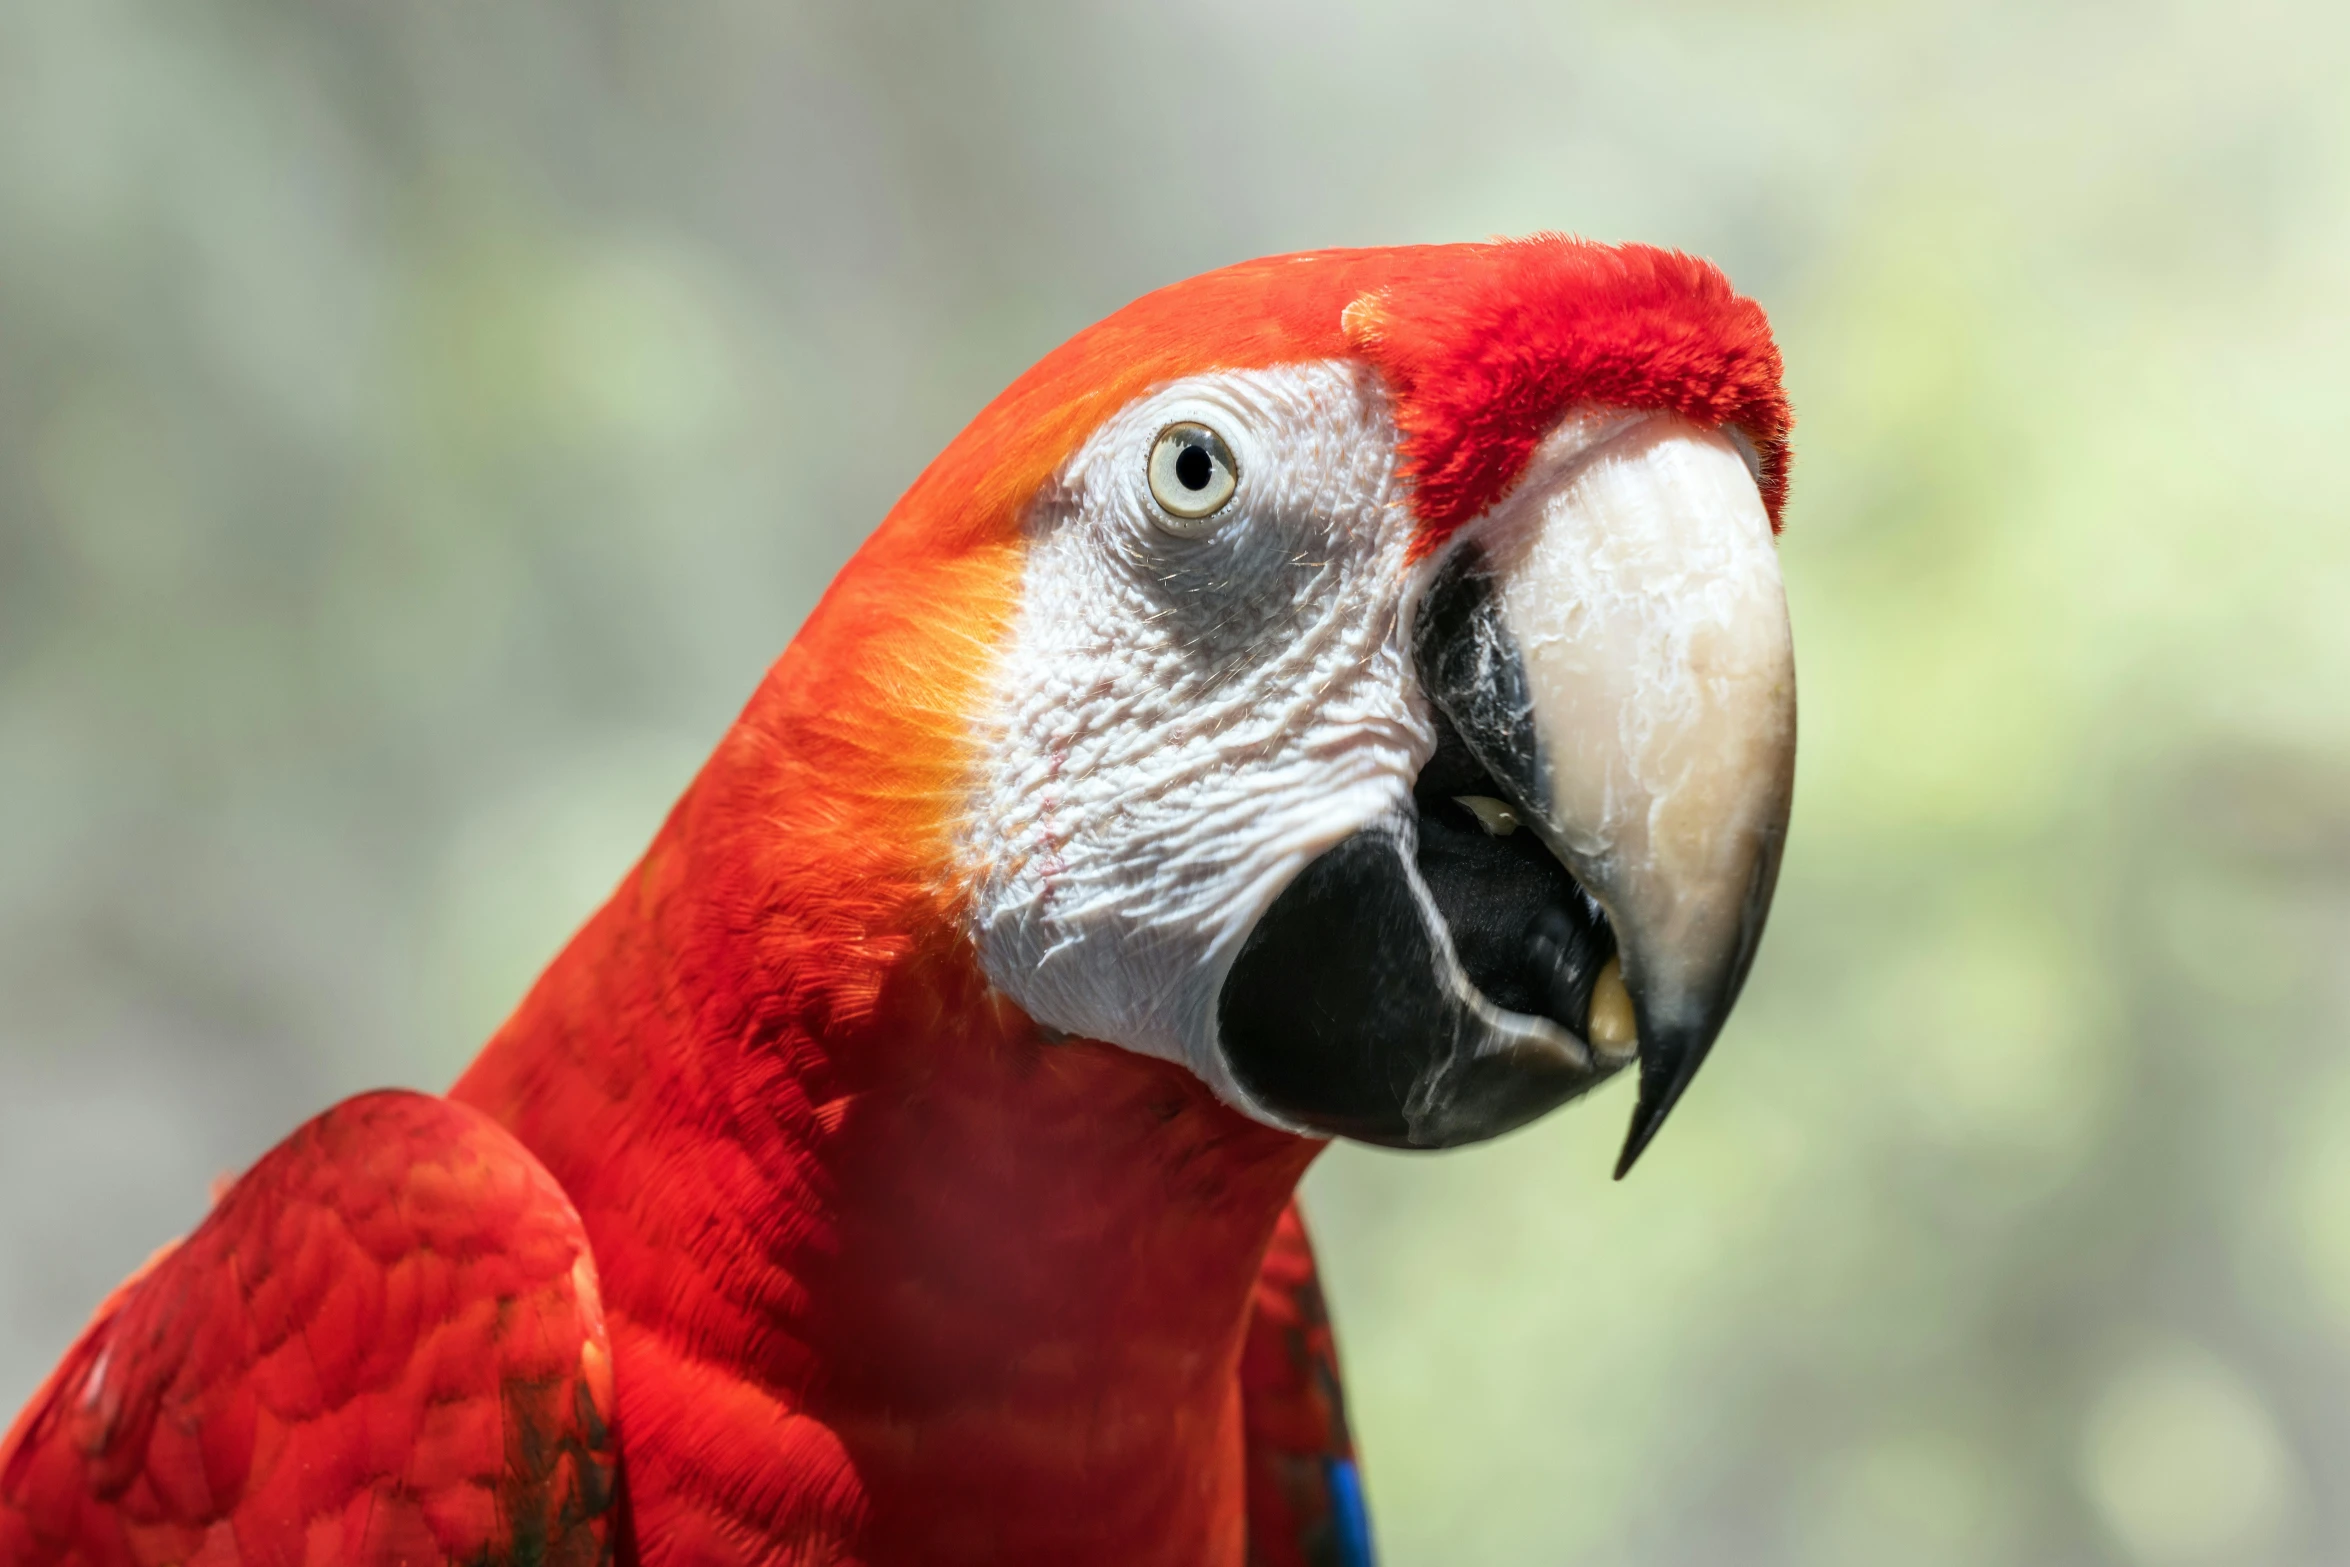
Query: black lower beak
(1423,983)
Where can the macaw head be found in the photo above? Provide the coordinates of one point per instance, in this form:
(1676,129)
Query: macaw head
(1386,707)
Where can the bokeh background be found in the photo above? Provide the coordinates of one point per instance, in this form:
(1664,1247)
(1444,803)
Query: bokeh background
(420,424)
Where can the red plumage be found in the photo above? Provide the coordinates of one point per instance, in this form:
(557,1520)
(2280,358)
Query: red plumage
(1302,1486)
(1481,370)
(383,1345)
(889,1276)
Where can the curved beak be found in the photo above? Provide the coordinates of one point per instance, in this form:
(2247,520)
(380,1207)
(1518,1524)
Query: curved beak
(1612,645)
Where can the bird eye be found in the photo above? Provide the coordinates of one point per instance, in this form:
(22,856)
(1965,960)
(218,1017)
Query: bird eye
(1192,475)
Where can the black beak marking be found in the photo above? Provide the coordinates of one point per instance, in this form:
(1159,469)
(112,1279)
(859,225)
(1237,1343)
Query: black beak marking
(1668,1065)
(1666,1068)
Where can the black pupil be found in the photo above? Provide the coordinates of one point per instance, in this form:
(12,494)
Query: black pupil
(1193,468)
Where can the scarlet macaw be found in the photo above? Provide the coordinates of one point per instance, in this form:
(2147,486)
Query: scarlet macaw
(1343,694)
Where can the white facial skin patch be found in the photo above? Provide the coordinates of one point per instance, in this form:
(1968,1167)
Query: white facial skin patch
(1190,711)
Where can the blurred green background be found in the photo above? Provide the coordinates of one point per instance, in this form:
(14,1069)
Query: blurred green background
(419,426)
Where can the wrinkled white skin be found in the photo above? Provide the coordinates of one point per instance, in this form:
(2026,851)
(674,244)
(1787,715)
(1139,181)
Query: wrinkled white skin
(1179,725)
(1182,724)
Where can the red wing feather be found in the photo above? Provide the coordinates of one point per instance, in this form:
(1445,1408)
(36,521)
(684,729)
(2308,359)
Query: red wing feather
(383,1345)
(1305,1497)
